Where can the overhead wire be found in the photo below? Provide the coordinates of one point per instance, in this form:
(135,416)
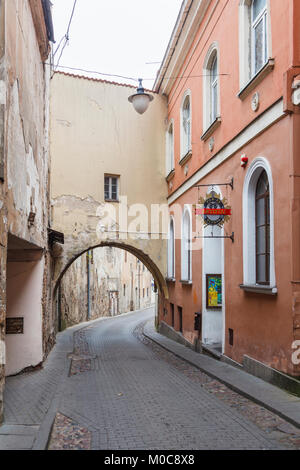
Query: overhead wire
(66,37)
(132,78)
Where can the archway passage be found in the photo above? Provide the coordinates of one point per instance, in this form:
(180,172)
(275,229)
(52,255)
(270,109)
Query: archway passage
(106,280)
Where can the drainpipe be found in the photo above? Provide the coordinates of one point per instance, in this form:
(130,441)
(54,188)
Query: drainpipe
(88,272)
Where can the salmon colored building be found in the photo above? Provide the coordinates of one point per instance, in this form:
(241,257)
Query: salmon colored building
(230,76)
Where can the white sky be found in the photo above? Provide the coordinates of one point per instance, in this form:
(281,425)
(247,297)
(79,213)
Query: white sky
(116,36)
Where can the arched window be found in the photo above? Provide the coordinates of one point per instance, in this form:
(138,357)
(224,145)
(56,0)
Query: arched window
(186,254)
(171,250)
(262,229)
(186,125)
(258,227)
(170,164)
(211,87)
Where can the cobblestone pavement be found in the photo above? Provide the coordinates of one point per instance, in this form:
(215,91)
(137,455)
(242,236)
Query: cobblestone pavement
(283,432)
(119,390)
(134,395)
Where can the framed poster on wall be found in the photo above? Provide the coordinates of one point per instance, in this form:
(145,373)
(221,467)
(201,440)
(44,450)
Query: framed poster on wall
(213,291)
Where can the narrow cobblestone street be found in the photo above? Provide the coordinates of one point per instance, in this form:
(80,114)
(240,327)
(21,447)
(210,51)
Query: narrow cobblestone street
(121,391)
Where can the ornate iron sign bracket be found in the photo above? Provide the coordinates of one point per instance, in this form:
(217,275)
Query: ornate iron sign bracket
(218,236)
(216,184)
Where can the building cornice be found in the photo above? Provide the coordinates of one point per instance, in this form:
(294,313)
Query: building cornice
(184,33)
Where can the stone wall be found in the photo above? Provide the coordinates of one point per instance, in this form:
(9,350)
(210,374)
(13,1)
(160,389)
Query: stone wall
(118,284)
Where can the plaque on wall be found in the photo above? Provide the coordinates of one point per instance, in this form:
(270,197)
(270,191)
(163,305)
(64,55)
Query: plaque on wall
(15,326)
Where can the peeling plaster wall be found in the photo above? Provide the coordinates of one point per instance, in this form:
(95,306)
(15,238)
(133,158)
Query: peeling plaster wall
(94,130)
(24,156)
(110,270)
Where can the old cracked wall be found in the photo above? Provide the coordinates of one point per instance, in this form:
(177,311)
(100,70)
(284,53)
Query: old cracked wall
(95,131)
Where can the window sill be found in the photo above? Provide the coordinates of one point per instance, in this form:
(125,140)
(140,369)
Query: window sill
(258,78)
(170,279)
(211,129)
(186,282)
(112,200)
(185,158)
(170,176)
(258,289)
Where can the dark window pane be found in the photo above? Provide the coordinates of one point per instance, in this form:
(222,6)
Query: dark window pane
(261,268)
(260,212)
(261,240)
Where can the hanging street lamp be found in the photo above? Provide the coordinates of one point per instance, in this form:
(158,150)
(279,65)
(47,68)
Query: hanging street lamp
(140,100)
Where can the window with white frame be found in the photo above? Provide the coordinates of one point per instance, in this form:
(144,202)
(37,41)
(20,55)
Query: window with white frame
(186,125)
(170,164)
(186,254)
(171,250)
(254,38)
(111,188)
(214,89)
(211,86)
(259,34)
(258,225)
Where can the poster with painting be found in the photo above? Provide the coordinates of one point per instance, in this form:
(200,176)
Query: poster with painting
(213,291)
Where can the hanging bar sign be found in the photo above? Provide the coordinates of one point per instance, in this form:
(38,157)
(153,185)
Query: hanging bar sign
(213,209)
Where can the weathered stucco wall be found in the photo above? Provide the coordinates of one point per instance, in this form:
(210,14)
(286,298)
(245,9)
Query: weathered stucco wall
(95,131)
(118,284)
(24,162)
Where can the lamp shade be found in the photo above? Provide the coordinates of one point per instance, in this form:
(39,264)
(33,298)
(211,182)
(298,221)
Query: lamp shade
(140,100)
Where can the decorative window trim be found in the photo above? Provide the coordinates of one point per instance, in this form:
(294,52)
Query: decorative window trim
(246,44)
(170,159)
(118,188)
(186,158)
(170,176)
(212,54)
(256,289)
(249,244)
(171,250)
(186,269)
(186,282)
(183,149)
(211,129)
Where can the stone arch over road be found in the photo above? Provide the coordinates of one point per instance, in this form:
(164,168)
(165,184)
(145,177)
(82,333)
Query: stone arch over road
(62,264)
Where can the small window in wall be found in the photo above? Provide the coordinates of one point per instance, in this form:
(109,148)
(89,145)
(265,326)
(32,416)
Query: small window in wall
(124,290)
(111,188)
(262,209)
(147,291)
